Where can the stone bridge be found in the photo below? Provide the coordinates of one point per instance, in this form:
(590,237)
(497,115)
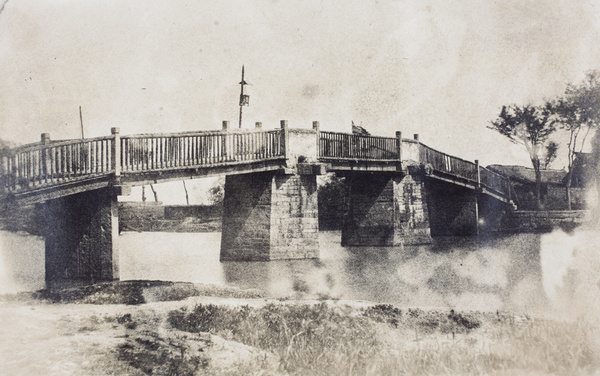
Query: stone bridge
(401,191)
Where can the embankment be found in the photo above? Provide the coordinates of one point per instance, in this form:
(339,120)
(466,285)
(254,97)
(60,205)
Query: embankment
(521,221)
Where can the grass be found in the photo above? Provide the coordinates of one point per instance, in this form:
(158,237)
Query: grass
(331,339)
(383,340)
(308,339)
(131,293)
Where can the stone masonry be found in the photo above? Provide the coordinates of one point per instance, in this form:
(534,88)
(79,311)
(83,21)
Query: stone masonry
(385,210)
(269,216)
(80,233)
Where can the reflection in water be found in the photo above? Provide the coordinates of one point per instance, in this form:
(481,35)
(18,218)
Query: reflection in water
(462,273)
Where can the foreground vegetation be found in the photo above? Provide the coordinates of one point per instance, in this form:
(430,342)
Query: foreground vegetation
(383,340)
(253,335)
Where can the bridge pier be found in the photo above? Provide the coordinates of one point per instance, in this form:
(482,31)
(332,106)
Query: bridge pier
(269,216)
(386,210)
(80,232)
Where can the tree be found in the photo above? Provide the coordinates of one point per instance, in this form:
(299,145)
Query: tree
(216,193)
(529,126)
(578,112)
(551,154)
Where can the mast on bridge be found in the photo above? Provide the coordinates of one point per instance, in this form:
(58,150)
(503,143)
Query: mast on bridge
(244,98)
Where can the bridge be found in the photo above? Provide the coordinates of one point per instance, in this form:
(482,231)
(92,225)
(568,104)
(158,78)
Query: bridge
(400,190)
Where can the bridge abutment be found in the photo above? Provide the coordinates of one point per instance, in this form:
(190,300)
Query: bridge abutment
(269,216)
(80,232)
(386,210)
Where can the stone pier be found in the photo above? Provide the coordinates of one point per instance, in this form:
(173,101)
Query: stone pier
(269,216)
(386,210)
(80,232)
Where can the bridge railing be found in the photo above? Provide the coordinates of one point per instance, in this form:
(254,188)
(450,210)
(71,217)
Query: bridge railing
(48,163)
(464,169)
(495,181)
(336,145)
(448,164)
(149,152)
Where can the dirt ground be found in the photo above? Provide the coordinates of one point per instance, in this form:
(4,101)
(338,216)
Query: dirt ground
(37,338)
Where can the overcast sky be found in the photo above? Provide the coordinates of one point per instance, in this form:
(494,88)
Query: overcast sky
(441,69)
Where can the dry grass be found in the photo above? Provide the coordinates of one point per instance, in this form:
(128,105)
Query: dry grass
(327,338)
(131,292)
(383,340)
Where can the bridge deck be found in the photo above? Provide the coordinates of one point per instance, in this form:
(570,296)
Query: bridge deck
(40,171)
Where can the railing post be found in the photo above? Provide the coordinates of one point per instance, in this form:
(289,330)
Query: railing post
(317,127)
(478,173)
(4,182)
(224,141)
(45,138)
(45,154)
(399,145)
(285,140)
(116,151)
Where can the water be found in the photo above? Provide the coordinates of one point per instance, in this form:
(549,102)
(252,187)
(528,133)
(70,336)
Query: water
(462,273)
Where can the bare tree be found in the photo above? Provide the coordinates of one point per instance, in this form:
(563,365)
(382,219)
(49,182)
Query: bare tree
(154,192)
(529,126)
(187,196)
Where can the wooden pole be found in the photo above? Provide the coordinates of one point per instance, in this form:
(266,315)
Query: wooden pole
(81,122)
(477,192)
(243,98)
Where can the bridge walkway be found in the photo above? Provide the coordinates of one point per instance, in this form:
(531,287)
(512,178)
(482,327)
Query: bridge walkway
(51,169)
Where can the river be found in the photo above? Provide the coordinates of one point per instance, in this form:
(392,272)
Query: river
(504,273)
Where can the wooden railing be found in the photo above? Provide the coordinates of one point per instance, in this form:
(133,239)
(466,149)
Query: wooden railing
(171,151)
(495,181)
(464,169)
(334,145)
(448,164)
(49,163)
(52,163)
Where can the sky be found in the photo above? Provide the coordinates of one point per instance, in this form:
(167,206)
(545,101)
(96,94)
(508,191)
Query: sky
(442,69)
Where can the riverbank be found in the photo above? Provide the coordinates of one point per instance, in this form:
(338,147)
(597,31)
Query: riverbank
(162,328)
(521,221)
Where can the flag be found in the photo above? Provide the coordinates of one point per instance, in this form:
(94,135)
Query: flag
(357,129)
